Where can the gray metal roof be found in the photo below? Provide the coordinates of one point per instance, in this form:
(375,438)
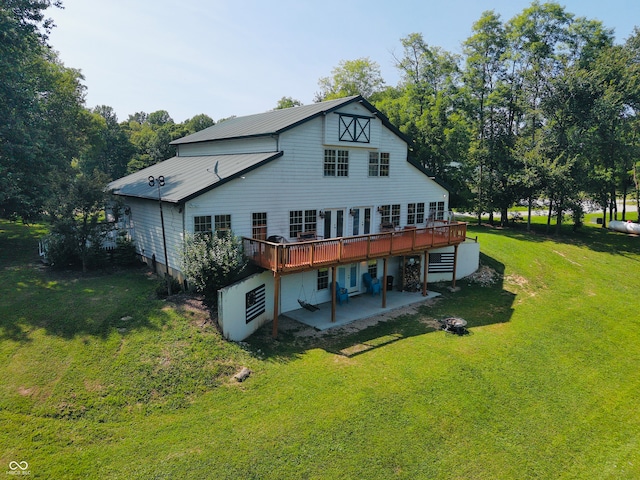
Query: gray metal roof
(187,177)
(261,124)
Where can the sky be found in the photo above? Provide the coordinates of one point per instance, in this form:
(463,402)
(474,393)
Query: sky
(239,57)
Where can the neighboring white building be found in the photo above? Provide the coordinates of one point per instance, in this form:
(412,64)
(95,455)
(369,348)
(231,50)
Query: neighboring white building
(330,173)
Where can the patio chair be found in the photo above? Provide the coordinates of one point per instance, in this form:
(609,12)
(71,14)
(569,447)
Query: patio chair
(372,284)
(342,295)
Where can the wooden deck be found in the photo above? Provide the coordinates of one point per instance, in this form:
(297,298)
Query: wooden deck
(306,255)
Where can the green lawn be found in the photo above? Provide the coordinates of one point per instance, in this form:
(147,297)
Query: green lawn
(98,379)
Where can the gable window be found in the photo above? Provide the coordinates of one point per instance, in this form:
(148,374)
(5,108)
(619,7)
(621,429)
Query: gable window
(222,223)
(415,213)
(202,224)
(259,225)
(302,221)
(436,210)
(336,163)
(390,214)
(378,164)
(354,128)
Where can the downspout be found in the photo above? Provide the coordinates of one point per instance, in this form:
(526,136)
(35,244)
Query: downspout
(182,208)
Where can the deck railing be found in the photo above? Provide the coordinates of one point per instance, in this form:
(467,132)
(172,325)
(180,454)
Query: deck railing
(291,257)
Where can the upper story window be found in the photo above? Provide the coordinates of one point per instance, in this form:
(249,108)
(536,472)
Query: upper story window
(415,213)
(259,225)
(354,128)
(378,164)
(336,163)
(202,224)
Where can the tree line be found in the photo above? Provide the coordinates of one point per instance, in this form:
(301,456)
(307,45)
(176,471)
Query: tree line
(538,109)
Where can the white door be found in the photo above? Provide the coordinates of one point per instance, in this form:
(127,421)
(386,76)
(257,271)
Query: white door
(333,223)
(360,220)
(348,277)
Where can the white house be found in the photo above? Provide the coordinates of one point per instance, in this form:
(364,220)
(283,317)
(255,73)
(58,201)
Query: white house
(321,193)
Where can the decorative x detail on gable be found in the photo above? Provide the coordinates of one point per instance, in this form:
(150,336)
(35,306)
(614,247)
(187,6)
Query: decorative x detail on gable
(354,129)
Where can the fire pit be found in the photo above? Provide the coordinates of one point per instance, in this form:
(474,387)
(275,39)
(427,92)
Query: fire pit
(454,325)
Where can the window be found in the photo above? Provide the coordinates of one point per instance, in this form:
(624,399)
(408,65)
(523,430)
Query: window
(436,210)
(336,163)
(323,278)
(372,268)
(395,215)
(202,224)
(390,214)
(222,223)
(259,225)
(415,213)
(378,164)
(354,128)
(302,221)
(310,221)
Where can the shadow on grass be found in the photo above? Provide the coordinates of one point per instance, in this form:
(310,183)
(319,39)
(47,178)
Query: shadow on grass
(66,303)
(592,237)
(71,304)
(477,303)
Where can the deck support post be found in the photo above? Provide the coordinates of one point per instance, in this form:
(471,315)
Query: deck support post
(384,282)
(455,265)
(425,265)
(334,279)
(276,307)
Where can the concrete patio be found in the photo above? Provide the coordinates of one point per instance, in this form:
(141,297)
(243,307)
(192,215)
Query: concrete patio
(359,307)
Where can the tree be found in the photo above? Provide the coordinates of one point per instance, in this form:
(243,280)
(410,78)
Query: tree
(42,110)
(152,138)
(108,148)
(351,77)
(75,215)
(487,107)
(287,102)
(199,122)
(431,116)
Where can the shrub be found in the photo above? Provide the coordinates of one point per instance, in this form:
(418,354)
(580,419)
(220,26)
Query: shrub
(211,262)
(124,254)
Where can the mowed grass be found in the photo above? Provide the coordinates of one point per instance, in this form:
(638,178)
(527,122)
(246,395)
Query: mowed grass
(546,385)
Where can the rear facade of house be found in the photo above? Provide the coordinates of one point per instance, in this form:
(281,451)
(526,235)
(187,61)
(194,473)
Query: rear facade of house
(332,170)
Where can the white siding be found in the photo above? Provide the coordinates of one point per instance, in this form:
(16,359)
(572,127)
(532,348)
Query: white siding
(296,181)
(248,145)
(145,218)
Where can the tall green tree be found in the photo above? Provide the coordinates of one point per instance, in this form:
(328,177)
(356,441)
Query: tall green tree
(351,77)
(151,138)
(198,122)
(486,105)
(42,110)
(430,87)
(108,148)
